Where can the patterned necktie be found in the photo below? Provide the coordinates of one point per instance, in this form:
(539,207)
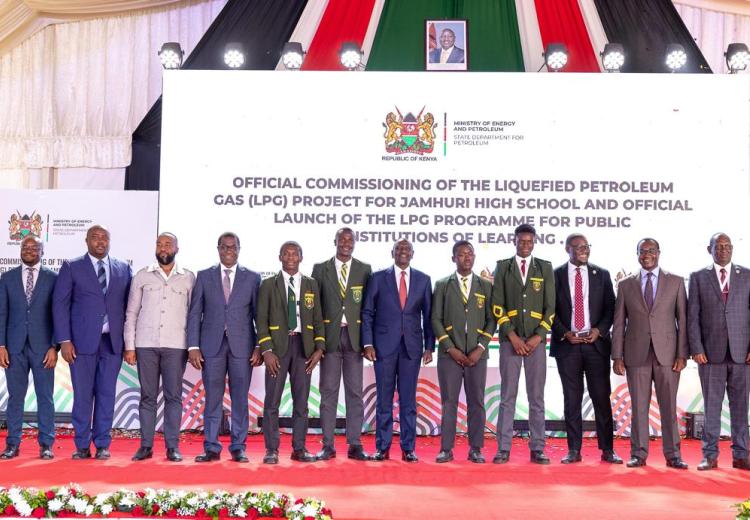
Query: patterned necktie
(578,305)
(102,276)
(29,283)
(724,285)
(342,281)
(465,289)
(648,293)
(227,285)
(402,290)
(523,268)
(291,306)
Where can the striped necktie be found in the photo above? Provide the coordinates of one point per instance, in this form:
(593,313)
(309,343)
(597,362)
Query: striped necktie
(102,276)
(342,281)
(465,289)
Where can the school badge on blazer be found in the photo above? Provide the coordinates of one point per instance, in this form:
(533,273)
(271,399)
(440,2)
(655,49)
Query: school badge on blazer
(480,300)
(536,284)
(309,300)
(357,294)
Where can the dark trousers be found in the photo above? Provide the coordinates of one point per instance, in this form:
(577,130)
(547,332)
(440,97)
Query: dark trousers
(292,363)
(17,380)
(716,379)
(215,371)
(392,372)
(94,378)
(585,360)
(349,362)
(169,365)
(451,376)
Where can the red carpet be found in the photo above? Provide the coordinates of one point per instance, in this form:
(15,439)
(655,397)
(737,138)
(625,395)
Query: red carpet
(395,489)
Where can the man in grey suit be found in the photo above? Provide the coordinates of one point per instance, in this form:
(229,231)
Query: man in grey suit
(221,337)
(719,332)
(649,341)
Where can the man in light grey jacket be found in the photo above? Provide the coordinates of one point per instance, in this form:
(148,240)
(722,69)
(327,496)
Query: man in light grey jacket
(155,325)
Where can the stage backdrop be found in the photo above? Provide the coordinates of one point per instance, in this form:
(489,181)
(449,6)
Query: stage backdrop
(441,157)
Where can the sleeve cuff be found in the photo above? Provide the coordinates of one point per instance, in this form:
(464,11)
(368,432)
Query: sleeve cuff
(193,348)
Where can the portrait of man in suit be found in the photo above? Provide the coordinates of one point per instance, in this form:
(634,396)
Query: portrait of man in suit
(463,323)
(650,346)
(292,341)
(397,335)
(89,315)
(342,281)
(581,344)
(27,344)
(448,51)
(221,340)
(719,335)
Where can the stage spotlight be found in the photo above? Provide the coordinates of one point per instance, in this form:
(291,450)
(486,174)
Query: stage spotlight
(234,55)
(171,55)
(613,57)
(350,56)
(676,57)
(292,55)
(555,56)
(737,57)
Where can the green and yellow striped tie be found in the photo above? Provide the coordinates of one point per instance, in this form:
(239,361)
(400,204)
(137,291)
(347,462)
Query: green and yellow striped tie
(465,289)
(342,281)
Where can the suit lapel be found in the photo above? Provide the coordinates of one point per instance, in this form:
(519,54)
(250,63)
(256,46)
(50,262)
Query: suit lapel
(455,284)
(239,277)
(516,271)
(713,281)
(332,275)
(390,283)
(565,284)
(281,288)
(41,281)
(661,283)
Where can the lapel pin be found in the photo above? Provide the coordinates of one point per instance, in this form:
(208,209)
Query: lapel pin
(593,271)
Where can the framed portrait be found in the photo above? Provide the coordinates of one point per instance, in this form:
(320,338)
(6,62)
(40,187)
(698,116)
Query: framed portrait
(446,45)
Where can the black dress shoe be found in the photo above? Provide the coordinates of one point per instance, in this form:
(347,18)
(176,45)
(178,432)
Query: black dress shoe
(475,456)
(501,457)
(10,452)
(326,454)
(444,456)
(143,453)
(409,456)
(239,456)
(357,453)
(381,455)
(538,457)
(271,457)
(707,464)
(82,453)
(208,456)
(636,462)
(102,454)
(174,455)
(572,457)
(303,456)
(677,463)
(741,464)
(611,457)
(45,452)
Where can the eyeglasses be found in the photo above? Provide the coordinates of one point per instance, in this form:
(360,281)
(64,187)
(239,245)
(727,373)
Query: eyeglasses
(228,248)
(650,251)
(31,248)
(585,247)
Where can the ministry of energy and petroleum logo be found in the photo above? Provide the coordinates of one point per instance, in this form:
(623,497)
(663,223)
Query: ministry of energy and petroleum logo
(22,225)
(409,134)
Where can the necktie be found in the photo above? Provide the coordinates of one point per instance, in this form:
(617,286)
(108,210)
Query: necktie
(579,320)
(342,281)
(102,276)
(402,290)
(465,288)
(227,285)
(291,305)
(723,282)
(649,292)
(523,268)
(29,283)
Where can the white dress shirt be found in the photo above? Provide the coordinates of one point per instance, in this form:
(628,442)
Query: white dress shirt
(397,272)
(572,285)
(95,263)
(728,269)
(25,274)
(297,282)
(528,264)
(445,54)
(232,273)
(469,279)
(339,264)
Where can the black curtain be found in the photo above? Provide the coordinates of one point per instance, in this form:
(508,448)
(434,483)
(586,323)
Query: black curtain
(645,28)
(262,26)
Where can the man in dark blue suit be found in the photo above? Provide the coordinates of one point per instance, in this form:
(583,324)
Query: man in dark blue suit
(221,340)
(397,334)
(88,308)
(26,344)
(448,49)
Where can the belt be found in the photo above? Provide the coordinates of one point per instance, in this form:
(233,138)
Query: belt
(295,333)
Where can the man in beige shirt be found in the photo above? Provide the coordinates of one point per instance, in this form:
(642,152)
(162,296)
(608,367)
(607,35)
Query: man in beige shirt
(155,339)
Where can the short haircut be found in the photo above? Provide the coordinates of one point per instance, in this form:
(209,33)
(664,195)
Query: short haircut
(228,234)
(290,243)
(572,237)
(648,239)
(97,227)
(448,30)
(343,230)
(170,235)
(717,236)
(461,243)
(525,228)
(36,240)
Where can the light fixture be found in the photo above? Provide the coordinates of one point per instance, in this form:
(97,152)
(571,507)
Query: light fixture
(737,57)
(613,57)
(171,55)
(234,55)
(555,56)
(350,56)
(676,57)
(292,55)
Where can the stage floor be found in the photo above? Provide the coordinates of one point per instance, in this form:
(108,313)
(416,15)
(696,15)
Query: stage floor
(394,489)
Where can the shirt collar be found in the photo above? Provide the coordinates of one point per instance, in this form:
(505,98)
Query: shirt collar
(528,260)
(654,272)
(232,269)
(95,260)
(468,276)
(718,268)
(398,269)
(572,267)
(36,266)
(156,266)
(338,263)
(448,50)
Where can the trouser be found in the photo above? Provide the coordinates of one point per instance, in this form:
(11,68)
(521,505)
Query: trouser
(451,376)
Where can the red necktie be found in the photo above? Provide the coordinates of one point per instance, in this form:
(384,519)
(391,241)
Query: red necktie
(724,285)
(523,268)
(402,290)
(578,305)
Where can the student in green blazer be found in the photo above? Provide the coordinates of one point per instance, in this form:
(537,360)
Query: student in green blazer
(463,323)
(292,341)
(342,281)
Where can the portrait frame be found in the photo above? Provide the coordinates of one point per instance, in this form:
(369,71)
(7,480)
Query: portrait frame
(458,59)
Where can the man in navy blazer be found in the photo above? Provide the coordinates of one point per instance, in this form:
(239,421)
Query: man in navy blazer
(88,308)
(397,334)
(221,339)
(26,343)
(447,45)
